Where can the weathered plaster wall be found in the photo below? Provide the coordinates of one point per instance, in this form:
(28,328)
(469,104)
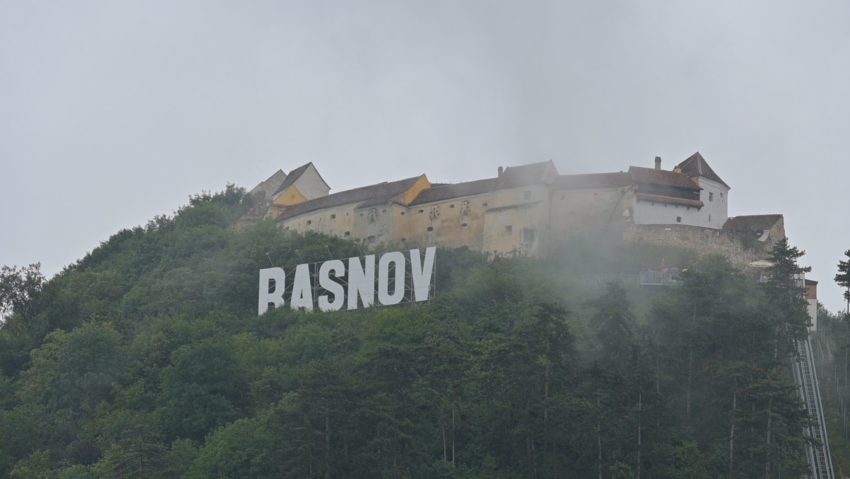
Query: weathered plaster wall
(374,224)
(589,211)
(452,223)
(703,240)
(335,221)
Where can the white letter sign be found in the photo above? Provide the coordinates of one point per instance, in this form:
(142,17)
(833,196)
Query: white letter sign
(275,297)
(334,285)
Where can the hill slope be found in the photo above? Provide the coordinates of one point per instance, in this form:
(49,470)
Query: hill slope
(146,359)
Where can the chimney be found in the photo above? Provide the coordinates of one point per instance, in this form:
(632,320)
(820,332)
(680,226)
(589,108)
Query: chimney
(657,162)
(500,170)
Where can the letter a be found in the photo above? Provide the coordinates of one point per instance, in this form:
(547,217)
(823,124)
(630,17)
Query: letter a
(302,290)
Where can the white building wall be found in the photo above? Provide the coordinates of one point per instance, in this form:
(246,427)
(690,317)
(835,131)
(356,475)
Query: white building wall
(715,198)
(713,214)
(654,213)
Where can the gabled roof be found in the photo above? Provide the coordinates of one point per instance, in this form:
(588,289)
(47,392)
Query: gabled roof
(696,166)
(751,223)
(448,191)
(592,180)
(529,174)
(295,174)
(271,184)
(652,176)
(374,194)
(511,177)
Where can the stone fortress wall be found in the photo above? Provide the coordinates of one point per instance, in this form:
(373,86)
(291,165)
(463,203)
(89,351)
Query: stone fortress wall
(527,210)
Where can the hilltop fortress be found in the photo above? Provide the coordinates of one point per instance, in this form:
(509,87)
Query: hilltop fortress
(528,210)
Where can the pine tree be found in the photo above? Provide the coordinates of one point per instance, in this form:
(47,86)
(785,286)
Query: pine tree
(843,278)
(614,323)
(786,290)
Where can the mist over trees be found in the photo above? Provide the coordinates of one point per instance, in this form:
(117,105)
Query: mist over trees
(146,359)
(842,278)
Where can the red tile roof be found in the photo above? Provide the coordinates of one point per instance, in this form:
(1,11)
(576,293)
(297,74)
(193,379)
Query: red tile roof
(661,177)
(669,200)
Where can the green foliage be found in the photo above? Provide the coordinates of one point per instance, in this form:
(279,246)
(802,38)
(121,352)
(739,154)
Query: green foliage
(18,287)
(842,278)
(832,353)
(146,359)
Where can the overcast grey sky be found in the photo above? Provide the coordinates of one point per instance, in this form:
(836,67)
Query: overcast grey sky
(112,112)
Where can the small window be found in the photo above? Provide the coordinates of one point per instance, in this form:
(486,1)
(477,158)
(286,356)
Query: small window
(484,204)
(333,217)
(528,235)
(464,225)
(384,210)
(402,213)
(309,222)
(678,219)
(509,229)
(451,205)
(709,218)
(710,196)
(430,228)
(721,194)
(404,239)
(421,211)
(371,239)
(347,234)
(526,195)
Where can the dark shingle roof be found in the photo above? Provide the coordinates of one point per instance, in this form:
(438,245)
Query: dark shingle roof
(271,184)
(593,180)
(293,175)
(696,165)
(512,177)
(661,177)
(448,191)
(527,174)
(374,194)
(751,223)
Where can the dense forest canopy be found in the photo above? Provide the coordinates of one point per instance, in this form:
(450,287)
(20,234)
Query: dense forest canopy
(147,359)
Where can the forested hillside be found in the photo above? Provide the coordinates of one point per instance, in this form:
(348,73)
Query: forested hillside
(146,359)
